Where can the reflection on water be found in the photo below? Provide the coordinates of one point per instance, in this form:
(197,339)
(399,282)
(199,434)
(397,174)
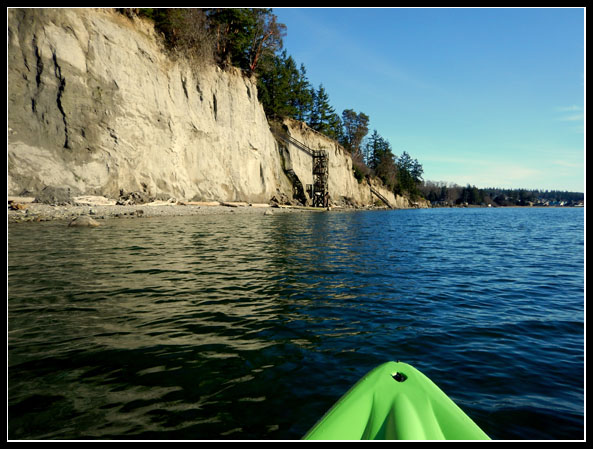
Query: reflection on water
(250,326)
(114,311)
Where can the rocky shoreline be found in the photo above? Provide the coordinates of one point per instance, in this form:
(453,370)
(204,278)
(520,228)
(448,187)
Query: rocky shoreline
(23,209)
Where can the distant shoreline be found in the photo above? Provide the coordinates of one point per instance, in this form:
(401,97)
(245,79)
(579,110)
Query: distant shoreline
(514,206)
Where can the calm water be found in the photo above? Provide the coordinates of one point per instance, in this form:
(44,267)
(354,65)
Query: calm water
(251,327)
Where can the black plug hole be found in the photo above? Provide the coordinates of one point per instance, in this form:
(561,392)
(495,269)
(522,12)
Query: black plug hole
(400,377)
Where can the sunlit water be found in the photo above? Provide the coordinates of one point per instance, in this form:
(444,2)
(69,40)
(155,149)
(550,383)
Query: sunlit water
(251,327)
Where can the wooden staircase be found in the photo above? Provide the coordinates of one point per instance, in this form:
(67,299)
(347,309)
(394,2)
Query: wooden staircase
(318,192)
(381,197)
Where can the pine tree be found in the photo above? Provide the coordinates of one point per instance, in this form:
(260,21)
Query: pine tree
(382,160)
(409,174)
(323,117)
(303,96)
(284,90)
(233,28)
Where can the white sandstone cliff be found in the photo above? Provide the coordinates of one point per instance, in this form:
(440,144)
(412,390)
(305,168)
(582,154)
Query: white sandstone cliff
(96,105)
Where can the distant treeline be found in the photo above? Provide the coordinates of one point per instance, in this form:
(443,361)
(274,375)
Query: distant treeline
(440,193)
(251,40)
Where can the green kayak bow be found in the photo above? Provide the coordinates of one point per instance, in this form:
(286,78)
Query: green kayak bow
(395,401)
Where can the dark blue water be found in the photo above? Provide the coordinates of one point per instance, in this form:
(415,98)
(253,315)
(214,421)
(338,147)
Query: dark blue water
(252,326)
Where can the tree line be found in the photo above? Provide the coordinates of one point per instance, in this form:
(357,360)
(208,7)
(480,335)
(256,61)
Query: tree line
(251,40)
(448,194)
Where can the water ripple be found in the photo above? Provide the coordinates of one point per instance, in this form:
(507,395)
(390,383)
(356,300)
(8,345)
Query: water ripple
(246,327)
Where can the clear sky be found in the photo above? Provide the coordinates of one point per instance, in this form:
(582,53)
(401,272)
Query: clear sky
(487,97)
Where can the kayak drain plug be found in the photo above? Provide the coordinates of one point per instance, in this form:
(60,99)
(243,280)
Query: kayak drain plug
(400,377)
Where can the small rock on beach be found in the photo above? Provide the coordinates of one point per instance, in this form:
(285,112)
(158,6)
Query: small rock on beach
(83,220)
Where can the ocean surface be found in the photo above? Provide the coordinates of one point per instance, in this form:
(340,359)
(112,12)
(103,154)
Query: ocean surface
(250,327)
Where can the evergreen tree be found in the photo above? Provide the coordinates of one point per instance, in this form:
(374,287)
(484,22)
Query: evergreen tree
(284,90)
(302,96)
(382,160)
(375,148)
(334,127)
(407,167)
(323,117)
(234,29)
(416,171)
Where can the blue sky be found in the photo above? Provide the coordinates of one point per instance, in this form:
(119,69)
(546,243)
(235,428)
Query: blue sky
(487,97)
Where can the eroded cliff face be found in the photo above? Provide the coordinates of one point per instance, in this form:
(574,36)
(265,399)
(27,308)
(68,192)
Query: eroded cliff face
(96,105)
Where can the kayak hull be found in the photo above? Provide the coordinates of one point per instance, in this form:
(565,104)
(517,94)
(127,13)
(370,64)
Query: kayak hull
(395,401)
